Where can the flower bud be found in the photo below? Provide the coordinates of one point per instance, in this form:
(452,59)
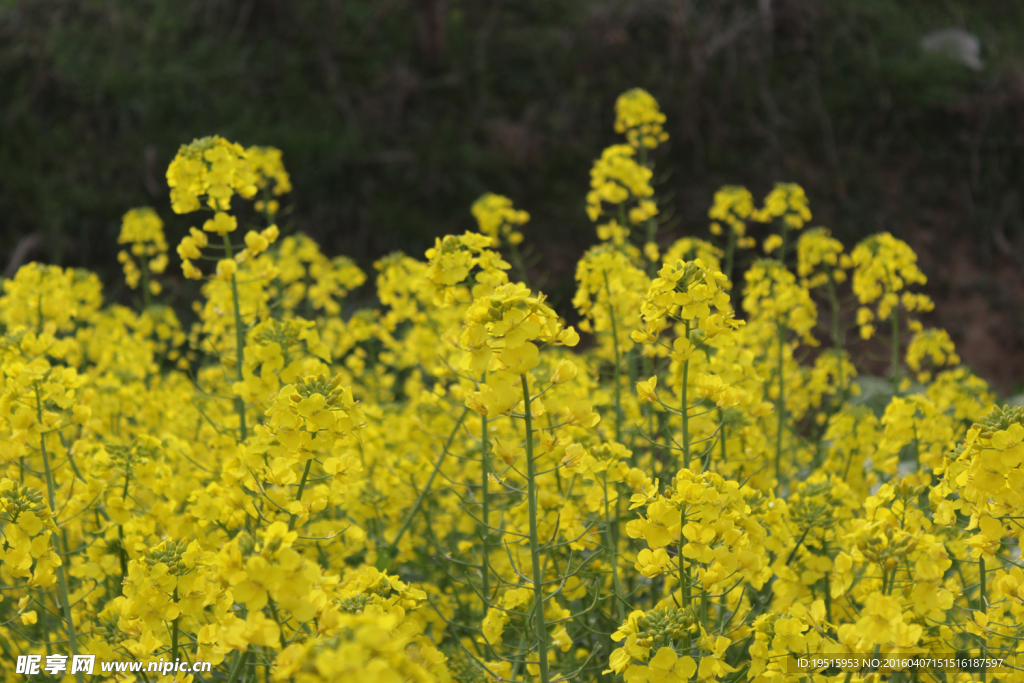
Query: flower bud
(565,371)
(226,268)
(573,455)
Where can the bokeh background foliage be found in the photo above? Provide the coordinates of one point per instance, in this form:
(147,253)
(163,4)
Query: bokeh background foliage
(394,115)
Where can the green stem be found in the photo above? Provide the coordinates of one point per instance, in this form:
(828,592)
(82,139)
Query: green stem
(517,261)
(837,337)
(308,304)
(780,407)
(611,537)
(684,571)
(622,221)
(886,590)
(648,407)
(895,347)
(239,344)
(538,576)
(239,665)
(174,631)
(982,597)
(785,239)
(685,405)
(684,574)
(721,439)
(652,233)
(62,583)
(122,553)
(782,378)
(833,300)
(849,461)
(664,454)
(43,619)
(618,361)
(611,522)
(298,496)
(828,587)
(146,299)
(983,605)
(120,528)
(730,254)
(485,472)
(392,548)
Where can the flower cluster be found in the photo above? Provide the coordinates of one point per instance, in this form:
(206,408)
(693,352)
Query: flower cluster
(144,231)
(210,168)
(787,202)
(452,484)
(615,179)
(883,268)
(733,206)
(498,218)
(639,118)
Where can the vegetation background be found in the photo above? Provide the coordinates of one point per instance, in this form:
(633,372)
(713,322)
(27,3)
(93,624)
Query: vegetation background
(394,115)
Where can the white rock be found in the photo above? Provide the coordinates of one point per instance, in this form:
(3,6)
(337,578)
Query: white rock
(956,44)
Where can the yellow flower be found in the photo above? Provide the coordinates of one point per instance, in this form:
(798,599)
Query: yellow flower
(223,482)
(267,164)
(882,614)
(732,205)
(565,371)
(638,116)
(663,523)
(226,269)
(786,201)
(646,389)
(221,223)
(668,667)
(213,168)
(520,359)
(615,178)
(652,564)
(256,243)
(498,218)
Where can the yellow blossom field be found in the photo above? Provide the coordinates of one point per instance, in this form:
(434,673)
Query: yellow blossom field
(697,482)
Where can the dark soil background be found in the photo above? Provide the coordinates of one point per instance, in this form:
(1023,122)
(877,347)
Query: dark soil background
(394,115)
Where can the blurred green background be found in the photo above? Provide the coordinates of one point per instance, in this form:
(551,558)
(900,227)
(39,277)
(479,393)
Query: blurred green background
(394,115)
